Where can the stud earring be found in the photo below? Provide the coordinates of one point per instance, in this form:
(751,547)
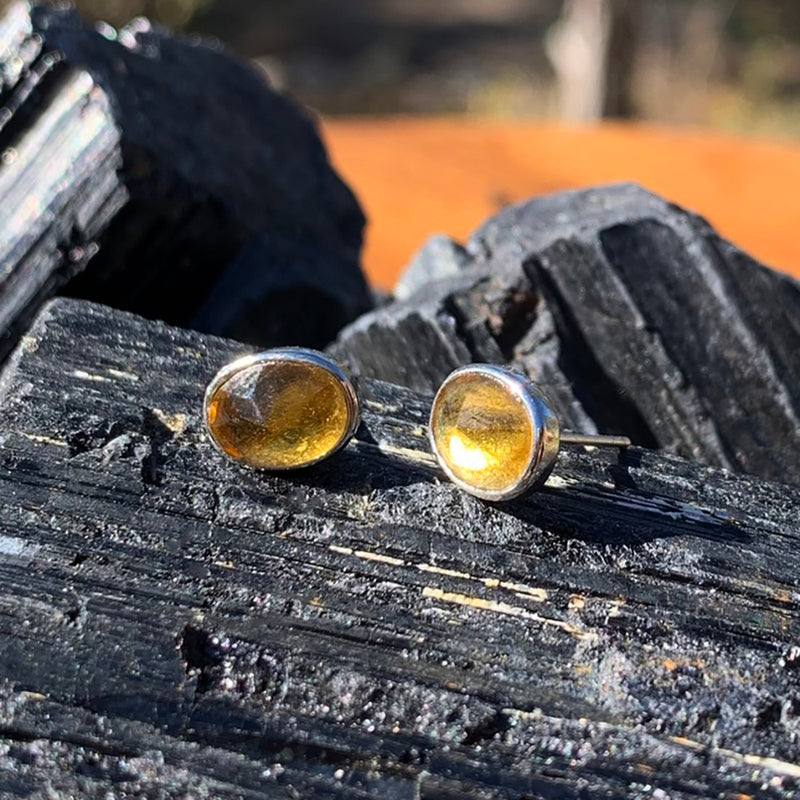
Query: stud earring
(494,434)
(281,409)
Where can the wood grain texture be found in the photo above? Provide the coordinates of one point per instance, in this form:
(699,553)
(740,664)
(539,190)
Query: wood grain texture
(634,316)
(173,625)
(162,175)
(54,207)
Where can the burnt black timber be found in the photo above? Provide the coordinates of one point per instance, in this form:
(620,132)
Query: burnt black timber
(162,175)
(171,623)
(634,315)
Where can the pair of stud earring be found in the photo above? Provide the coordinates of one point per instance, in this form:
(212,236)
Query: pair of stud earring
(492,431)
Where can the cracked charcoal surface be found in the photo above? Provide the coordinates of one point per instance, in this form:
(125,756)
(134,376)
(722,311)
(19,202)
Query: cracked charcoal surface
(634,315)
(173,625)
(170,180)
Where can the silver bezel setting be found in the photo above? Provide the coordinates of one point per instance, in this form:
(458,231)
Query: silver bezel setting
(546,440)
(286,355)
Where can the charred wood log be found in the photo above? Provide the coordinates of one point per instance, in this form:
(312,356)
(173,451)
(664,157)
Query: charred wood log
(162,175)
(174,625)
(634,315)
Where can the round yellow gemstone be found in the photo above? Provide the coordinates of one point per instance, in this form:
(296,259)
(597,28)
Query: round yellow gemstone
(279,415)
(483,432)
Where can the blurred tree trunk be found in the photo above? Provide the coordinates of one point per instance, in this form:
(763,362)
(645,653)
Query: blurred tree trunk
(593,50)
(623,39)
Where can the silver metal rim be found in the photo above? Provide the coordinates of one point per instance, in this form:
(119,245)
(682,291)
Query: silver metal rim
(282,355)
(543,421)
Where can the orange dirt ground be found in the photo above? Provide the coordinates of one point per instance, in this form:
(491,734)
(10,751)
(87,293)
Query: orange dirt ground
(416,177)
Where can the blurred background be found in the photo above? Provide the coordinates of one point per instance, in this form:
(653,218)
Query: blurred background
(438,112)
(733,64)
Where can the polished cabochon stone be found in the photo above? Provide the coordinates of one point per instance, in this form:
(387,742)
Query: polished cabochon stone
(483,432)
(278,415)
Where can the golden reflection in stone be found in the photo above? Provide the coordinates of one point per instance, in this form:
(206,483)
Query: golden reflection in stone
(279,415)
(483,432)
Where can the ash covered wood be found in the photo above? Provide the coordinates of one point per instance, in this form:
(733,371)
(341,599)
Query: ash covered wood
(634,315)
(171,179)
(173,625)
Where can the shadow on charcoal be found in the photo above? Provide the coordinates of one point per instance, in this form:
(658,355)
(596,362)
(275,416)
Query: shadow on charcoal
(354,469)
(596,517)
(620,472)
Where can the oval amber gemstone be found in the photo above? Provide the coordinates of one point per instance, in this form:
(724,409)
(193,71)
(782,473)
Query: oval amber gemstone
(280,414)
(483,432)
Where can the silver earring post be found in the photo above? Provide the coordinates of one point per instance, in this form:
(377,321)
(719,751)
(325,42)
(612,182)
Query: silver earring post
(594,439)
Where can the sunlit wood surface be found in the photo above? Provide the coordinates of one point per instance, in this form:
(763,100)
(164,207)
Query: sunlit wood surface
(416,177)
